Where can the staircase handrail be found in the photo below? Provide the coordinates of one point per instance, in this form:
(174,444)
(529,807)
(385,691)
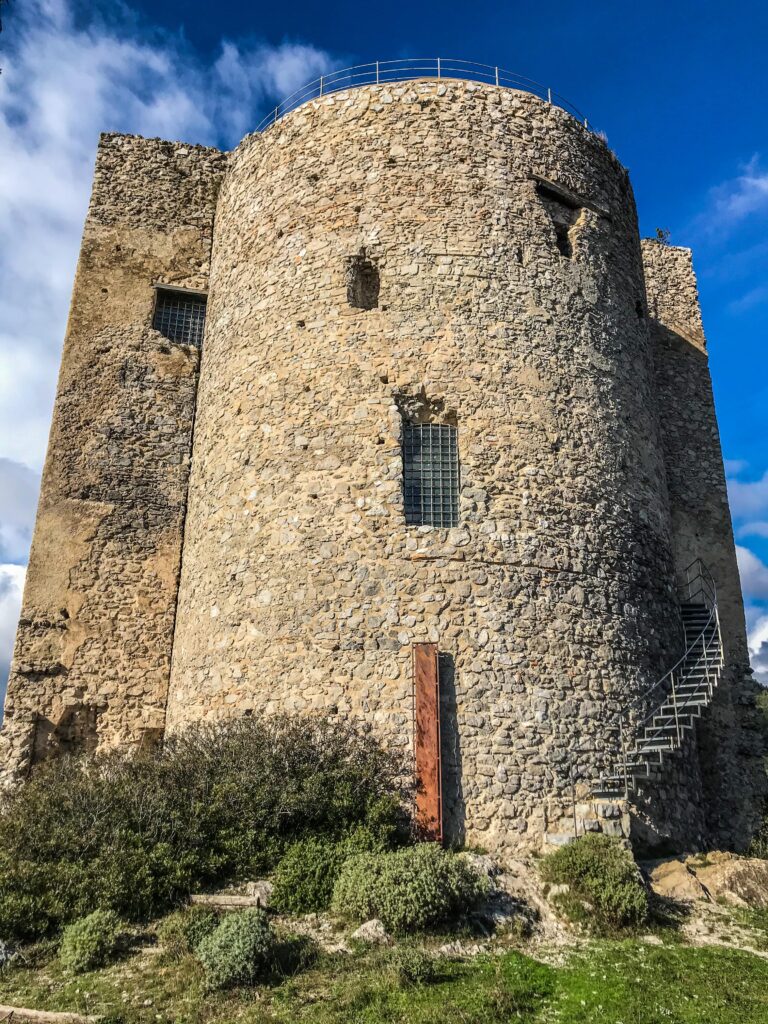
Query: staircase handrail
(707,589)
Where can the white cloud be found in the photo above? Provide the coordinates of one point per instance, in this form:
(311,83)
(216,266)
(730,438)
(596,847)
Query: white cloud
(18,501)
(742,196)
(754,297)
(61,85)
(748,499)
(753,573)
(63,81)
(11,586)
(758,649)
(733,467)
(758,529)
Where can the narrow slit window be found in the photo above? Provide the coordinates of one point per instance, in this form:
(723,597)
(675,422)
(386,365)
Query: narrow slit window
(180,316)
(431,474)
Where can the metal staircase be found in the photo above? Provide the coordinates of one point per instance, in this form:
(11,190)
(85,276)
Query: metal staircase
(656,723)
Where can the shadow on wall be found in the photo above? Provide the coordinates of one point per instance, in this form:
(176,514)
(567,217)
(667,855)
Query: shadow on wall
(450,754)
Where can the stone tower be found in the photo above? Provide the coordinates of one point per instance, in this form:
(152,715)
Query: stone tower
(439,278)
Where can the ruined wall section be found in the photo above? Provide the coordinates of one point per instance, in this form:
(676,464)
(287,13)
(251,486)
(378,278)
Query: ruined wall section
(728,741)
(93,646)
(302,587)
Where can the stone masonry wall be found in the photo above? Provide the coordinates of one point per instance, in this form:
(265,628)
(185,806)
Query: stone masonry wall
(93,647)
(728,746)
(302,588)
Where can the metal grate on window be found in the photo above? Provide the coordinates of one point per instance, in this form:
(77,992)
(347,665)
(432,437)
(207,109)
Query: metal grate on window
(180,316)
(431,474)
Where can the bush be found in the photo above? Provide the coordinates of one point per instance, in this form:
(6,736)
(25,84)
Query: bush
(759,845)
(605,889)
(182,932)
(306,875)
(411,965)
(241,951)
(136,834)
(415,887)
(90,942)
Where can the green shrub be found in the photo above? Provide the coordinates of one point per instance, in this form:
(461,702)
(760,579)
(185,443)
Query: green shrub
(605,889)
(412,888)
(136,834)
(90,942)
(759,845)
(411,965)
(306,875)
(241,951)
(182,932)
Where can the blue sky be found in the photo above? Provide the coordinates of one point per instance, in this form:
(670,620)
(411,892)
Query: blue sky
(680,89)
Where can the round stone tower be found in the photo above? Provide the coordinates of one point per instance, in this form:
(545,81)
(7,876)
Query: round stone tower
(430,253)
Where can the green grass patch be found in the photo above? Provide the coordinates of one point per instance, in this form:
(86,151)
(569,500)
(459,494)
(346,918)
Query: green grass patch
(607,982)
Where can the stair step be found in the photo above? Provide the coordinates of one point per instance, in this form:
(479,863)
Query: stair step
(692,708)
(656,731)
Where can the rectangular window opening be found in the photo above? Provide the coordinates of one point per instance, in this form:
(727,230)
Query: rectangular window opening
(564,213)
(431,474)
(180,316)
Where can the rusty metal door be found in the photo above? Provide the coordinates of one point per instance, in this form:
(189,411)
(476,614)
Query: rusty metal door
(426,742)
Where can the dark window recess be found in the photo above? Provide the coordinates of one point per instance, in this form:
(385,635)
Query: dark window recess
(363,283)
(431,474)
(564,216)
(180,316)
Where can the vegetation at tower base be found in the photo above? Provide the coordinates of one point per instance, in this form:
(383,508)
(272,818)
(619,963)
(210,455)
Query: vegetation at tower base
(182,931)
(240,951)
(306,875)
(602,886)
(216,803)
(90,942)
(412,888)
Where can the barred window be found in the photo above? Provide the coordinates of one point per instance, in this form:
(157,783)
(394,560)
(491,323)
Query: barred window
(180,316)
(430,474)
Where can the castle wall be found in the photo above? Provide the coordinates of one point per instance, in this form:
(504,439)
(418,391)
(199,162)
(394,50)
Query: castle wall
(728,746)
(302,588)
(93,647)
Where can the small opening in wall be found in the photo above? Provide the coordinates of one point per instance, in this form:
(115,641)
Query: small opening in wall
(562,240)
(362,276)
(564,215)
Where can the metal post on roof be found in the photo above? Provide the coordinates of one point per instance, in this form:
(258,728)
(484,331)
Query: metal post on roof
(377,72)
(438,67)
(275,115)
(321,85)
(549,95)
(497,76)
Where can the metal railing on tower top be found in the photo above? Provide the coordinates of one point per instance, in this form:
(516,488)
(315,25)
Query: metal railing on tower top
(381,72)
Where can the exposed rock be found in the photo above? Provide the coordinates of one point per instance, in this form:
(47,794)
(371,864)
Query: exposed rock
(458,950)
(674,880)
(741,881)
(261,891)
(372,931)
(7,954)
(484,865)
